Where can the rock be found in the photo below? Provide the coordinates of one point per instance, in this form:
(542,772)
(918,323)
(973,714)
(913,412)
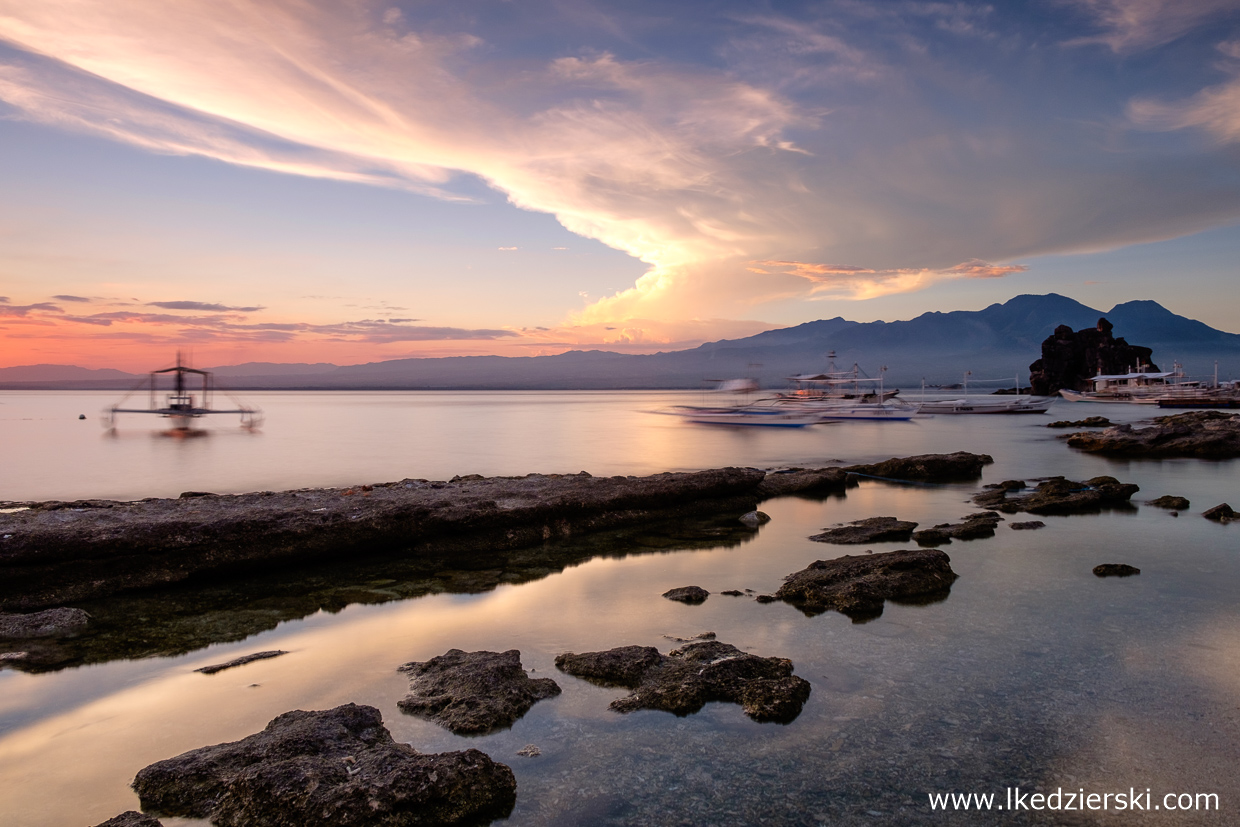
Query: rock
(733,593)
(1027,526)
(1115,570)
(131,818)
(755,518)
(1171,502)
(857,586)
(927,467)
(686,679)
(871,530)
(1062,496)
(1087,422)
(529,751)
(1008,485)
(471,693)
(1222,513)
(1201,434)
(687,594)
(973,527)
(788,481)
(241,661)
(766,598)
(60,622)
(1070,359)
(335,768)
(56,553)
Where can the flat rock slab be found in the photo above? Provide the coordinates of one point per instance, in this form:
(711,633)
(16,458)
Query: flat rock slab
(686,679)
(961,465)
(335,768)
(687,594)
(787,481)
(1202,434)
(241,661)
(972,527)
(857,586)
(132,818)
(1063,496)
(55,553)
(471,693)
(1116,570)
(59,622)
(871,530)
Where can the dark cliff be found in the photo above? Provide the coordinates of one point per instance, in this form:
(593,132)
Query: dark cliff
(1070,359)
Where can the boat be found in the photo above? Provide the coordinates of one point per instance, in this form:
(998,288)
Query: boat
(1138,387)
(746,413)
(987,404)
(834,385)
(181,403)
(892,410)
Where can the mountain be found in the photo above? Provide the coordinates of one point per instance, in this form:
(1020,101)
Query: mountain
(997,342)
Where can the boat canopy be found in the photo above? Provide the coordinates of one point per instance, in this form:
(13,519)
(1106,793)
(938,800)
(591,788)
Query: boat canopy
(832,378)
(1117,377)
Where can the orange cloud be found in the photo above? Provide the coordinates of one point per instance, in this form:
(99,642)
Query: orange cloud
(848,281)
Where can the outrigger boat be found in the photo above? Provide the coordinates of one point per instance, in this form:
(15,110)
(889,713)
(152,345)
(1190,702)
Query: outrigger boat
(840,395)
(748,414)
(987,404)
(180,403)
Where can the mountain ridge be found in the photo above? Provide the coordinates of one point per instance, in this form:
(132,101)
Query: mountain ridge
(937,346)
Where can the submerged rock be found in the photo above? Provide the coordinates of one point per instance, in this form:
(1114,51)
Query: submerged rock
(686,679)
(973,527)
(871,530)
(131,818)
(1028,525)
(1063,496)
(857,586)
(1202,434)
(335,768)
(961,465)
(1115,570)
(1087,422)
(1222,513)
(471,693)
(60,622)
(687,594)
(1173,503)
(241,661)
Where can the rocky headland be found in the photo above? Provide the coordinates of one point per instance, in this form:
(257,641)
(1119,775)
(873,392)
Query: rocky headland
(1070,358)
(1200,434)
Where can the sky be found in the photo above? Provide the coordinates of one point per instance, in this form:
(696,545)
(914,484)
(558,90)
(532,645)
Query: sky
(349,181)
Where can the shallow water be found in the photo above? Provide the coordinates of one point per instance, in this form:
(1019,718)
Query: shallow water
(1031,673)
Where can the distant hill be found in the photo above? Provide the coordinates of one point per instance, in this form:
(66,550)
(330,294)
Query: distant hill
(996,342)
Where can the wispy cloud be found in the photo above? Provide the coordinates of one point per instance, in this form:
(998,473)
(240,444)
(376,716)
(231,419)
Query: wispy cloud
(1215,109)
(1131,25)
(207,306)
(65,298)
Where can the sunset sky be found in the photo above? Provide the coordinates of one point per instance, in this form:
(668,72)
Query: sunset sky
(347,181)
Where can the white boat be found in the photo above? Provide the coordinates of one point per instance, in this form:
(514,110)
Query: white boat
(761,416)
(889,411)
(834,386)
(987,404)
(1138,387)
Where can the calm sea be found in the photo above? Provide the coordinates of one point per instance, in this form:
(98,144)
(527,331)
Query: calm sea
(1031,673)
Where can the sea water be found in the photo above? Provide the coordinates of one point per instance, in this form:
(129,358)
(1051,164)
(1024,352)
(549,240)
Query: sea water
(1032,673)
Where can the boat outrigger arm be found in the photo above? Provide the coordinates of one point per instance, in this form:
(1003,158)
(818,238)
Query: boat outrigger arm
(180,404)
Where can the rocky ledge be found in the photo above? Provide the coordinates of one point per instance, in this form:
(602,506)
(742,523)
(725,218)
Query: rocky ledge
(1058,495)
(471,693)
(869,530)
(56,553)
(336,768)
(1201,434)
(686,679)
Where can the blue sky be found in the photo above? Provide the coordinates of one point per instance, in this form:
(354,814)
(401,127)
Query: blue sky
(353,181)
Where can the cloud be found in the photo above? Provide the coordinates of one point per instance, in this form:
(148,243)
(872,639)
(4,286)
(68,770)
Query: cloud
(897,135)
(71,298)
(215,308)
(1215,109)
(1131,25)
(508,248)
(4,299)
(20,310)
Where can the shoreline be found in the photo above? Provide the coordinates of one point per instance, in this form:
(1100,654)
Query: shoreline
(54,553)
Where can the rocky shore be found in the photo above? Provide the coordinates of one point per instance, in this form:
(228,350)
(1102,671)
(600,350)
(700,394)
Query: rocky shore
(1200,434)
(58,553)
